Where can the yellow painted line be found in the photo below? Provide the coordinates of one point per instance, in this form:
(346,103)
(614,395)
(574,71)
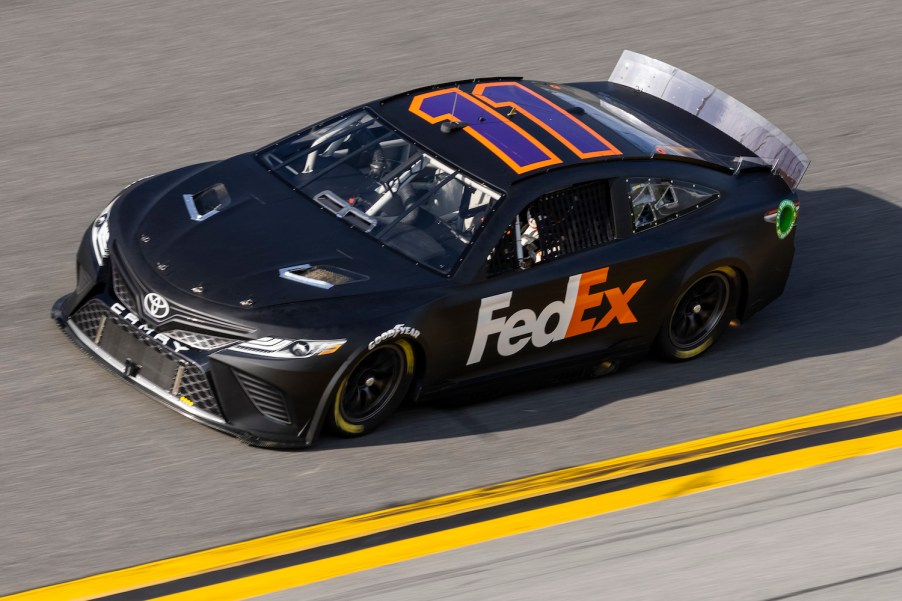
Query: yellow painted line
(535,519)
(344,529)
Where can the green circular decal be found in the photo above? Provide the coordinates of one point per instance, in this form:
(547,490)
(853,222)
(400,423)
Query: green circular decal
(786,218)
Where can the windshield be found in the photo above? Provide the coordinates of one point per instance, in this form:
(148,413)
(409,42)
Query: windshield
(385,185)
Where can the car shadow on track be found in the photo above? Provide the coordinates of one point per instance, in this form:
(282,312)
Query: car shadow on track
(843,295)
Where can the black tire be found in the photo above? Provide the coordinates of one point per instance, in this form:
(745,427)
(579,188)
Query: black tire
(699,316)
(372,389)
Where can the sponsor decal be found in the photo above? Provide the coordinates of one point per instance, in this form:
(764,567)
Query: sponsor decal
(786,218)
(145,330)
(398,330)
(578,313)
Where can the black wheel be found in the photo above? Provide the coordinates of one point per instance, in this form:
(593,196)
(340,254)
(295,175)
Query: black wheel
(699,316)
(373,388)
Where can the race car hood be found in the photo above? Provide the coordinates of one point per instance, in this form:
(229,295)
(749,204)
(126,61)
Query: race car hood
(230,232)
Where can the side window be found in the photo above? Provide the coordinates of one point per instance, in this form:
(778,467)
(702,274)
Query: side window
(555,225)
(656,201)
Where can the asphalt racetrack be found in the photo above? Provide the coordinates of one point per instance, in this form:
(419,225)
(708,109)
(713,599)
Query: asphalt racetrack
(95,476)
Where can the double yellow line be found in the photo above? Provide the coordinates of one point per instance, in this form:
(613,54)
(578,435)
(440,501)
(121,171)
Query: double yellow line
(312,537)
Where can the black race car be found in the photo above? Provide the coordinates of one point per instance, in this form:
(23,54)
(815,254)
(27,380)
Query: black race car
(440,238)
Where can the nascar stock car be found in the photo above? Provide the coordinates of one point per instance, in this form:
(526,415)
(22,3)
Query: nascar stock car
(440,238)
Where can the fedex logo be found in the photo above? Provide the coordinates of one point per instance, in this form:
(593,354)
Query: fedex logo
(579,313)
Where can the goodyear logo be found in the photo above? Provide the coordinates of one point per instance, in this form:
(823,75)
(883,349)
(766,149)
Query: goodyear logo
(576,314)
(398,330)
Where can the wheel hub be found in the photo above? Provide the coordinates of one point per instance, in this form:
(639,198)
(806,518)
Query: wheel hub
(372,384)
(699,311)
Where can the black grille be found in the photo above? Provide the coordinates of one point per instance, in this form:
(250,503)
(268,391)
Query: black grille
(129,290)
(196,388)
(199,340)
(268,399)
(121,290)
(88,318)
(157,364)
(182,314)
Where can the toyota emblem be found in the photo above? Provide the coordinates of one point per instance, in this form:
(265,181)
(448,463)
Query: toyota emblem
(156,306)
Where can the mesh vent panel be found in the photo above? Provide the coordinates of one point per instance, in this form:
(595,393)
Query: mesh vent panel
(196,388)
(572,220)
(204,342)
(562,223)
(268,399)
(121,290)
(88,318)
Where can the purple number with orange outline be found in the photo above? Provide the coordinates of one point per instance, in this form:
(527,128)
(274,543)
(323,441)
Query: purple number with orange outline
(508,141)
(521,151)
(582,140)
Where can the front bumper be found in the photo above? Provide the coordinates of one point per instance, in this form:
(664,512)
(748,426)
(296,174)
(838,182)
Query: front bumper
(180,383)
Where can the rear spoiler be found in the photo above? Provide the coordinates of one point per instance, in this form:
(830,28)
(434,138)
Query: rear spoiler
(715,107)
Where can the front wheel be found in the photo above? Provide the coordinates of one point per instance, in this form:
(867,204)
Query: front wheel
(699,316)
(372,389)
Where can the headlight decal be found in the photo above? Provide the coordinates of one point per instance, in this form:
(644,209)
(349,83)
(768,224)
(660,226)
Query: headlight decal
(100,229)
(282,348)
(100,234)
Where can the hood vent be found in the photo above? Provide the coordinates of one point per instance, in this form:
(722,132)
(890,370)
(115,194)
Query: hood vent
(320,276)
(207,202)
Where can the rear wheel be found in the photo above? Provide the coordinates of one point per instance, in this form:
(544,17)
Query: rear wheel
(372,389)
(699,316)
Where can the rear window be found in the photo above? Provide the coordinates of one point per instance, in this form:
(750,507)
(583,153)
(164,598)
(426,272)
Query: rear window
(655,201)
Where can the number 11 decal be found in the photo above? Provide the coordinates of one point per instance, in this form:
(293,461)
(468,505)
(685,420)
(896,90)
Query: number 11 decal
(521,151)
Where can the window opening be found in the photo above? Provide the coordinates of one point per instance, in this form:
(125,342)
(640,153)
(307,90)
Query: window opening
(655,201)
(557,224)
